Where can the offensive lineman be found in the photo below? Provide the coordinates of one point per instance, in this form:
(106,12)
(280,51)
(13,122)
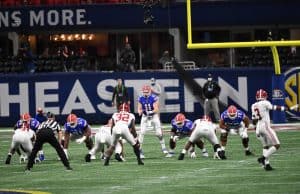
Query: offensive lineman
(181,128)
(234,121)
(204,128)
(148,108)
(123,126)
(264,132)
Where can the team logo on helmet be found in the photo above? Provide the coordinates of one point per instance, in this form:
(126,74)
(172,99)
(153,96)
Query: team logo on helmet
(232,112)
(261,95)
(72,120)
(179,119)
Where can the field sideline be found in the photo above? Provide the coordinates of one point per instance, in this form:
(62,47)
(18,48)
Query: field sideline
(237,174)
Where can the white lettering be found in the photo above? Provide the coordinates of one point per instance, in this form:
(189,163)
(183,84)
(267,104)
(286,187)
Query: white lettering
(106,95)
(15,16)
(53,17)
(67,16)
(78,100)
(190,99)
(4,19)
(6,99)
(36,19)
(42,98)
(80,17)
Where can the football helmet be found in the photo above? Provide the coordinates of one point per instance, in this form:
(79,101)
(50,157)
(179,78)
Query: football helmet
(72,120)
(261,95)
(206,118)
(124,108)
(179,119)
(25,117)
(232,112)
(146,90)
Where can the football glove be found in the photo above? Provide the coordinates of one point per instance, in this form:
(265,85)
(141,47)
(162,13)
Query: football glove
(81,140)
(193,155)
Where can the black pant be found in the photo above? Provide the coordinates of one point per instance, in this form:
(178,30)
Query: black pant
(46,135)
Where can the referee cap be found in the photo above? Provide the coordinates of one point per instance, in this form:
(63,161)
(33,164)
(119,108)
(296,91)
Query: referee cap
(50,115)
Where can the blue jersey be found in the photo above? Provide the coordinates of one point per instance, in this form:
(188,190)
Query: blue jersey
(40,117)
(147,102)
(186,129)
(78,129)
(33,124)
(233,123)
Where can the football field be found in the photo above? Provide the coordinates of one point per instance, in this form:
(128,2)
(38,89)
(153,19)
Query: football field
(238,174)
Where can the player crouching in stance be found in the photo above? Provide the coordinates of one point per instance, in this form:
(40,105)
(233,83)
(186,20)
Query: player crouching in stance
(234,121)
(24,137)
(103,138)
(77,129)
(148,108)
(123,125)
(204,128)
(264,132)
(181,128)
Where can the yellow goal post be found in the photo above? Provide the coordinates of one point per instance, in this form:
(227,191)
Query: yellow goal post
(272,44)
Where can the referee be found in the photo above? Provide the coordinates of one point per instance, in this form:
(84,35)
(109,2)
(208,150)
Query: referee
(46,134)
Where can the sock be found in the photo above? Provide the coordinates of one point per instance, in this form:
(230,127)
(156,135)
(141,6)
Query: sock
(270,151)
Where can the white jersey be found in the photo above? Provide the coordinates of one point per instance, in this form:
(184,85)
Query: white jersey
(123,118)
(204,129)
(23,137)
(260,110)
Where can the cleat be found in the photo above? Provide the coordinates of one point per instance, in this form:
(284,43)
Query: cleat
(165,151)
(261,160)
(68,168)
(27,170)
(87,158)
(8,159)
(118,157)
(23,158)
(221,155)
(268,167)
(181,156)
(142,156)
(140,162)
(205,154)
(37,160)
(106,162)
(170,155)
(93,157)
(248,153)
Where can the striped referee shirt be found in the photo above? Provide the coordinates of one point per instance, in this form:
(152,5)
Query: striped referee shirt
(50,124)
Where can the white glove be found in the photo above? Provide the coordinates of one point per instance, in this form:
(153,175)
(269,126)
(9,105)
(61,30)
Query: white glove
(81,140)
(193,155)
(66,153)
(175,138)
(294,107)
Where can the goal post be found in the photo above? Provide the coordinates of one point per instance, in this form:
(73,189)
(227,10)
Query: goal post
(277,79)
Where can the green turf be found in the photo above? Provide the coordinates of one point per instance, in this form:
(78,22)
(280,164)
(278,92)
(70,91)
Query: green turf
(238,174)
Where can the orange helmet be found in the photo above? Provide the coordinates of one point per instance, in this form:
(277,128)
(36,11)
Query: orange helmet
(124,108)
(232,112)
(206,118)
(25,117)
(179,119)
(146,90)
(261,95)
(72,119)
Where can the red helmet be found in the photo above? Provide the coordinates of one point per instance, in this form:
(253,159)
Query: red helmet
(232,112)
(25,117)
(146,90)
(206,118)
(124,107)
(261,95)
(72,119)
(179,119)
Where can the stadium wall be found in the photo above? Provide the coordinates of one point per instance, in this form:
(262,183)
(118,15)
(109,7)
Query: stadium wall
(89,94)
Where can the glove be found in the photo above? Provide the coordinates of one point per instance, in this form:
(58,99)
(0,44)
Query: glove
(175,138)
(81,140)
(193,155)
(66,153)
(294,107)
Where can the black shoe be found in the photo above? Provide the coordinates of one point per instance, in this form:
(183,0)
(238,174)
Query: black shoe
(181,156)
(221,154)
(106,162)
(268,167)
(118,157)
(8,159)
(87,158)
(261,160)
(140,162)
(68,168)
(248,153)
(27,170)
